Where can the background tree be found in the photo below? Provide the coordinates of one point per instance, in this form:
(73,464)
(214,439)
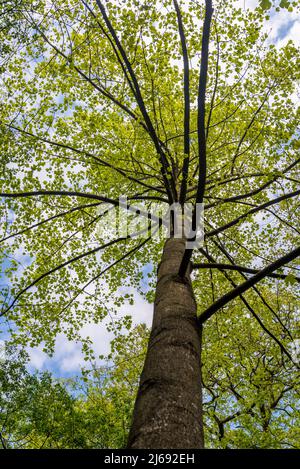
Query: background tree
(36,412)
(90,411)
(94,409)
(97,104)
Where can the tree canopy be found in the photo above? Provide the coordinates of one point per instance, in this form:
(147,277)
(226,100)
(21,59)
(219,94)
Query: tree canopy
(103,99)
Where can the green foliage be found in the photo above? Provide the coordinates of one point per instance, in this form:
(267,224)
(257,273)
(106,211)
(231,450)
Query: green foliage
(36,411)
(94,410)
(69,121)
(286,4)
(265,4)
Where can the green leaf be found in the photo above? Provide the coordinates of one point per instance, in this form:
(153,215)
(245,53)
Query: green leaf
(265,4)
(291,279)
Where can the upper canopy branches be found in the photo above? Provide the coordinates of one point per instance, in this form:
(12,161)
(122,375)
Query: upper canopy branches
(161,102)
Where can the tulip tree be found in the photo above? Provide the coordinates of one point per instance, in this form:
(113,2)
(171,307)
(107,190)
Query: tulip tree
(162,102)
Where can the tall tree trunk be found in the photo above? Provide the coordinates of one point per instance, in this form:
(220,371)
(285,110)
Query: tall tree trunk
(168,407)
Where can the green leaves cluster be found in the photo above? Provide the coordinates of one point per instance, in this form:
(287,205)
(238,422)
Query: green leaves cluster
(94,410)
(285,4)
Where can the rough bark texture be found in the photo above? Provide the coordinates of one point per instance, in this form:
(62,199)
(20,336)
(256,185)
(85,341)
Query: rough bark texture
(168,408)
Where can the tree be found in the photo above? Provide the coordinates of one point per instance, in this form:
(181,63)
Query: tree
(251,405)
(94,409)
(36,411)
(102,101)
(106,395)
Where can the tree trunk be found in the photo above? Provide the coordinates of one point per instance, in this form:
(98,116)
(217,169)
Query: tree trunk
(168,407)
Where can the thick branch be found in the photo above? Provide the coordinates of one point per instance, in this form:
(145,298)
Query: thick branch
(243,299)
(222,248)
(186,89)
(239,268)
(201,131)
(117,203)
(243,287)
(162,157)
(87,154)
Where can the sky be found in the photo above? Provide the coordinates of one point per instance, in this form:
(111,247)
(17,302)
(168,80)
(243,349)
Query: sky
(68,359)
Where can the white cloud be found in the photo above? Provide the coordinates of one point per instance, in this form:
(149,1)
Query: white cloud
(141,310)
(247,4)
(282,26)
(292,33)
(38,358)
(68,357)
(2,350)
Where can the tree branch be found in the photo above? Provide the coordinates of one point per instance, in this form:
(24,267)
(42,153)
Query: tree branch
(85,153)
(201,131)
(104,271)
(215,85)
(58,267)
(254,191)
(42,222)
(107,94)
(186,89)
(251,212)
(162,157)
(243,287)
(239,268)
(237,154)
(117,203)
(256,317)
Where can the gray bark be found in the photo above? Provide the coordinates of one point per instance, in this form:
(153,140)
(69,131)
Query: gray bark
(168,408)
